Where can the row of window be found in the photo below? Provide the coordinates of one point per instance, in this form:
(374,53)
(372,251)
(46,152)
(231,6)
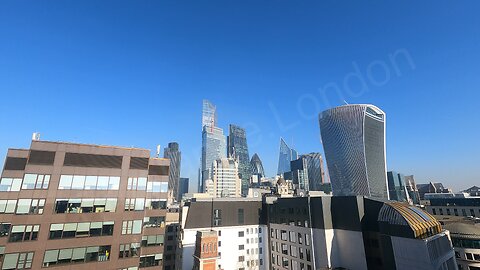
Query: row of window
(82,229)
(296,252)
(470,212)
(85,205)
(22,206)
(291,237)
(76,255)
(29,181)
(140,204)
(466,243)
(82,182)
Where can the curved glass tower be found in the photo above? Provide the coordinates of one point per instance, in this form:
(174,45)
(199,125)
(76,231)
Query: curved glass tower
(353,139)
(257,166)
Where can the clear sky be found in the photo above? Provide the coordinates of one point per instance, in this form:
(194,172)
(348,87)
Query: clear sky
(134,73)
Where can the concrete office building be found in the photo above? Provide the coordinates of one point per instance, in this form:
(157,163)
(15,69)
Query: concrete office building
(225,181)
(450,204)
(80,206)
(353,138)
(241,229)
(465,237)
(173,153)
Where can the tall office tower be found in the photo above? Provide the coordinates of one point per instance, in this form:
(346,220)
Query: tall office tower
(206,251)
(225,181)
(256,166)
(286,155)
(412,189)
(396,187)
(307,172)
(213,147)
(238,149)
(209,114)
(353,138)
(173,153)
(81,206)
(183,187)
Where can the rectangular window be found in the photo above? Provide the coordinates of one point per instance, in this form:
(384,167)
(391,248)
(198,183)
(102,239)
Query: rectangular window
(84,229)
(137,204)
(91,182)
(17,261)
(240,216)
(155,204)
(152,240)
(76,255)
(10,184)
(153,222)
(241,234)
(22,233)
(150,260)
(137,183)
(157,186)
(132,227)
(29,206)
(129,250)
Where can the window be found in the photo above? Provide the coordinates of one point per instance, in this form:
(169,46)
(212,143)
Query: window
(217,217)
(82,182)
(241,247)
(157,186)
(152,240)
(150,260)
(137,204)
(35,181)
(24,233)
(84,205)
(129,250)
(154,204)
(17,261)
(241,258)
(137,183)
(132,227)
(241,234)
(83,229)
(10,184)
(76,255)
(434,211)
(5,229)
(30,206)
(240,216)
(153,222)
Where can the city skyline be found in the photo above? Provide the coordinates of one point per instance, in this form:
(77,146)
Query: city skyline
(50,85)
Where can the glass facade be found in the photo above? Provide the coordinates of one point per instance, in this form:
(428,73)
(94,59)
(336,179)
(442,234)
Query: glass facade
(173,153)
(396,186)
(256,166)
(214,147)
(285,156)
(238,149)
(353,138)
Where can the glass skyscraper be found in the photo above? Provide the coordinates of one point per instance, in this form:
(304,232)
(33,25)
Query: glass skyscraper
(307,172)
(396,186)
(173,153)
(353,138)
(209,114)
(214,147)
(238,149)
(256,166)
(286,155)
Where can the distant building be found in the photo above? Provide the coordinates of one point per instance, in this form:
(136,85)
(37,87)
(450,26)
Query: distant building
(225,181)
(307,172)
(353,138)
(213,148)
(473,191)
(238,149)
(449,204)
(206,250)
(465,237)
(431,188)
(285,156)
(396,186)
(173,153)
(256,166)
(183,187)
(209,114)
(412,190)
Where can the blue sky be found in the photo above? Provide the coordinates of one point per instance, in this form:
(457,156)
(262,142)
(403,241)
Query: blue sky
(133,73)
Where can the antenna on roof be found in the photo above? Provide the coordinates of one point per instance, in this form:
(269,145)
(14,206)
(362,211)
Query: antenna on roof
(346,103)
(159,148)
(36,136)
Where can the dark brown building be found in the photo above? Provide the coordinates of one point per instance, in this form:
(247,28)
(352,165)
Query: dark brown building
(77,206)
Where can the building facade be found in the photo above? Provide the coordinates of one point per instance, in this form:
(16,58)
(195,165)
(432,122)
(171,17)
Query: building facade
(225,181)
(286,155)
(183,187)
(238,149)
(307,172)
(256,166)
(78,206)
(466,243)
(214,147)
(353,138)
(412,190)
(396,187)
(173,153)
(242,233)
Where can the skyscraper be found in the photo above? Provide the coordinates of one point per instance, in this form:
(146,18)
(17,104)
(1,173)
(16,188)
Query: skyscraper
(286,155)
(238,149)
(307,172)
(173,153)
(213,142)
(353,138)
(256,166)
(183,187)
(225,181)
(213,148)
(396,186)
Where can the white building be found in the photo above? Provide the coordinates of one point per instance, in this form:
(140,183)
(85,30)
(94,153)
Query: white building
(225,181)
